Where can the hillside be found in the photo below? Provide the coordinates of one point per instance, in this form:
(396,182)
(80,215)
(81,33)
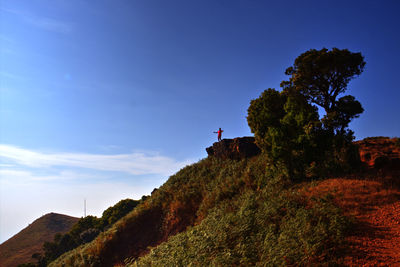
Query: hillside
(244,212)
(19,248)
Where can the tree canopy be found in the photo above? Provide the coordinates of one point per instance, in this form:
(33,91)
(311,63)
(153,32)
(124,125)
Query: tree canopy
(322,75)
(286,124)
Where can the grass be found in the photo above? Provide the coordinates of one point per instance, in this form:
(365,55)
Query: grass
(274,226)
(223,212)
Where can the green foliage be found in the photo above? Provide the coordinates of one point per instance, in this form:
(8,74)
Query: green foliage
(243,212)
(264,116)
(269,227)
(286,128)
(119,210)
(397,142)
(321,76)
(84,224)
(83,231)
(345,110)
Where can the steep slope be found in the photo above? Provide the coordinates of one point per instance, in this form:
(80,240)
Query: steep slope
(168,211)
(213,190)
(19,248)
(231,212)
(275,225)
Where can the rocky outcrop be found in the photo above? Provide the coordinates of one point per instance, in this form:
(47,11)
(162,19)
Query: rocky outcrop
(380,152)
(237,148)
(375,152)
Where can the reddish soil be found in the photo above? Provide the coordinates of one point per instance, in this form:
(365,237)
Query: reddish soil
(380,152)
(375,208)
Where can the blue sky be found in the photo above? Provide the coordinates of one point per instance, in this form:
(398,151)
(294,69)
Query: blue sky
(104,100)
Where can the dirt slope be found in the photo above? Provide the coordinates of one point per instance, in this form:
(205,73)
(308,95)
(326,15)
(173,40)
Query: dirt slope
(376,210)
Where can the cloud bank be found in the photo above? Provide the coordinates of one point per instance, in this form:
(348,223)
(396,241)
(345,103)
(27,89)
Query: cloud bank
(132,163)
(34,182)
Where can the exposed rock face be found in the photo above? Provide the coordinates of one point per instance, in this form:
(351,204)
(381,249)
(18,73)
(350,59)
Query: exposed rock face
(237,148)
(375,152)
(380,152)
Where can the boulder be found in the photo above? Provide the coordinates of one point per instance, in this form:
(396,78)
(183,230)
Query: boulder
(237,148)
(380,152)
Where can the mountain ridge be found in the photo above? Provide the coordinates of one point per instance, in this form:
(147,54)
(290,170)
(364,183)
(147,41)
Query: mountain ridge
(19,248)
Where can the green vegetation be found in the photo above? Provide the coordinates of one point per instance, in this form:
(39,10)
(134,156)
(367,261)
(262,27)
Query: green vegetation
(286,128)
(286,124)
(397,142)
(245,213)
(273,226)
(321,76)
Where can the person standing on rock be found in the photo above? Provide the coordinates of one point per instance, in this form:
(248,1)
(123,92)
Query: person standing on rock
(219,134)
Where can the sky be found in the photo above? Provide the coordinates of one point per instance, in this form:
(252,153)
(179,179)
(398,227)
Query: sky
(104,100)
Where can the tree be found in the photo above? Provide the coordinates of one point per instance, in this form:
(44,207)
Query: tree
(321,76)
(116,212)
(89,234)
(84,224)
(286,124)
(285,127)
(346,109)
(264,115)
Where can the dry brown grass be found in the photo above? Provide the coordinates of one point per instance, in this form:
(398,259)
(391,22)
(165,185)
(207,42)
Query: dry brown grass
(19,248)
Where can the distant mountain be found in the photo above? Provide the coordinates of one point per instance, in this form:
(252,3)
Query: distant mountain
(19,248)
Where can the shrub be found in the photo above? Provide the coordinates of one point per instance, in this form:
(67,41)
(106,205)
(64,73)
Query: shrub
(287,129)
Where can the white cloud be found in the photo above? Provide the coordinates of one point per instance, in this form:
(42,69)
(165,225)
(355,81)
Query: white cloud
(15,176)
(33,183)
(27,178)
(133,163)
